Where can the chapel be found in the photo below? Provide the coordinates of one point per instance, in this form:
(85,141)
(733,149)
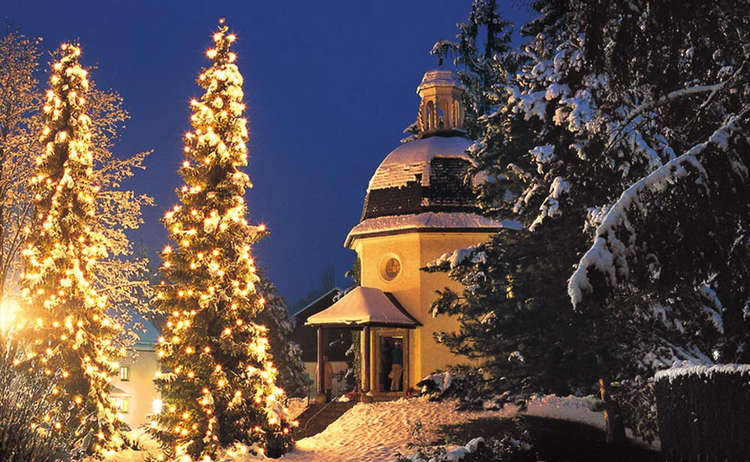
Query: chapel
(417,207)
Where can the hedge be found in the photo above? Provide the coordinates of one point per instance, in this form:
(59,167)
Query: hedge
(704,412)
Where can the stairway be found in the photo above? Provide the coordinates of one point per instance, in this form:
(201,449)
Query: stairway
(317,417)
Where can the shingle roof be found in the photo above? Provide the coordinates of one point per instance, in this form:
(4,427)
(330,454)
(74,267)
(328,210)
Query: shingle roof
(424,175)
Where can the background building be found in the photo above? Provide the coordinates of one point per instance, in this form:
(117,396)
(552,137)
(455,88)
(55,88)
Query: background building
(133,390)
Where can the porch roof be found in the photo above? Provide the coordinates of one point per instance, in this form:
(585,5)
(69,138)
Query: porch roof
(364,306)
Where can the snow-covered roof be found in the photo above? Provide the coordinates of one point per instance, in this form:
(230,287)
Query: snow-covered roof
(427,221)
(439,78)
(364,306)
(117,391)
(329,294)
(407,161)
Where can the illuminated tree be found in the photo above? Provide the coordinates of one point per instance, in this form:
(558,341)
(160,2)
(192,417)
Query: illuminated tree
(219,386)
(287,355)
(70,334)
(19,143)
(122,275)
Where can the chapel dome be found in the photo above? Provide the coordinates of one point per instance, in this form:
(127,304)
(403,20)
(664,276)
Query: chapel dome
(424,175)
(421,185)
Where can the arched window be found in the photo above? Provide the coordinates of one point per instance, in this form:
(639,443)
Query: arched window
(429,116)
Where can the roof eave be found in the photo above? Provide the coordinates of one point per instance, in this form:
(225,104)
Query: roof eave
(352,236)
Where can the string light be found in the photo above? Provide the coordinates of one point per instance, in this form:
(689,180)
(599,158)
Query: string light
(72,332)
(209,295)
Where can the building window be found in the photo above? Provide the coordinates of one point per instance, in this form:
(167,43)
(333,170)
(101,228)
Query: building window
(391,268)
(124,373)
(429,116)
(121,404)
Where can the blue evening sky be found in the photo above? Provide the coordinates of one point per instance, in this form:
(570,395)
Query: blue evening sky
(329,86)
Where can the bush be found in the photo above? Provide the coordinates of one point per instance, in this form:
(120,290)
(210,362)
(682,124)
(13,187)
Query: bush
(461,384)
(704,412)
(511,448)
(507,449)
(23,399)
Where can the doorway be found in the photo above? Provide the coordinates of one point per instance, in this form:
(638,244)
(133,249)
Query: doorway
(391,363)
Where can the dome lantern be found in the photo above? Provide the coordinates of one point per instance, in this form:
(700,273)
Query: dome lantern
(441,108)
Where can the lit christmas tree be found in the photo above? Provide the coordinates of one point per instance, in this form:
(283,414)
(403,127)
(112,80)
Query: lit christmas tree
(70,334)
(219,386)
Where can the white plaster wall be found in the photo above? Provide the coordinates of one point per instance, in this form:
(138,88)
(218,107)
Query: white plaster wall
(140,389)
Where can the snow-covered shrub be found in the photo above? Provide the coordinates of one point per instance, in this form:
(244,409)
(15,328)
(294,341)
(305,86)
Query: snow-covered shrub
(507,449)
(704,411)
(277,444)
(638,407)
(23,434)
(461,384)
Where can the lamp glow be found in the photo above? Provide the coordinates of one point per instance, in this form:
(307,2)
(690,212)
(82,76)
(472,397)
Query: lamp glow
(8,311)
(156,406)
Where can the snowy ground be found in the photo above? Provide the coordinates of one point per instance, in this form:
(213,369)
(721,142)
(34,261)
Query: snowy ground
(376,431)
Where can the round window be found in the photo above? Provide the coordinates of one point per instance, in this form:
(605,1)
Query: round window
(391,269)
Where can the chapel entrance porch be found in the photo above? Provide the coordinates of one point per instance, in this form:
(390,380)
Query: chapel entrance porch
(384,327)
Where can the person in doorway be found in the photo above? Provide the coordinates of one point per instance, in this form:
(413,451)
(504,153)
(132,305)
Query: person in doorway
(397,365)
(327,377)
(385,365)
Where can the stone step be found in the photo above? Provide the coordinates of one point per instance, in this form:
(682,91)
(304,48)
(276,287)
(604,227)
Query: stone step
(317,417)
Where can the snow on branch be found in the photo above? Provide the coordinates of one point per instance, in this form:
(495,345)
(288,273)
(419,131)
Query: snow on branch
(610,251)
(671,96)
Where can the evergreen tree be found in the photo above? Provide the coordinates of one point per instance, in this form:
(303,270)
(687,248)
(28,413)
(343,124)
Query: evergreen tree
(676,239)
(70,334)
(483,58)
(646,94)
(121,275)
(287,355)
(513,313)
(219,388)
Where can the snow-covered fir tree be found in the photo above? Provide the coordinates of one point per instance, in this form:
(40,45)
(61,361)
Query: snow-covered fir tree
(614,97)
(219,383)
(625,124)
(69,335)
(121,275)
(287,355)
(513,313)
(483,57)
(675,238)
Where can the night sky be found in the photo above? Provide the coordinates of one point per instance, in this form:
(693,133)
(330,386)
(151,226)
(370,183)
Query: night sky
(329,87)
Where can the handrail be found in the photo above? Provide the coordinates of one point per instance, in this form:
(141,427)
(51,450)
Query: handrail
(324,407)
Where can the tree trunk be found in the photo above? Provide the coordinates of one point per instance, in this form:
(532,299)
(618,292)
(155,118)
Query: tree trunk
(614,427)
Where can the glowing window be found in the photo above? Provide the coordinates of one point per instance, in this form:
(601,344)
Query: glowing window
(122,405)
(124,373)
